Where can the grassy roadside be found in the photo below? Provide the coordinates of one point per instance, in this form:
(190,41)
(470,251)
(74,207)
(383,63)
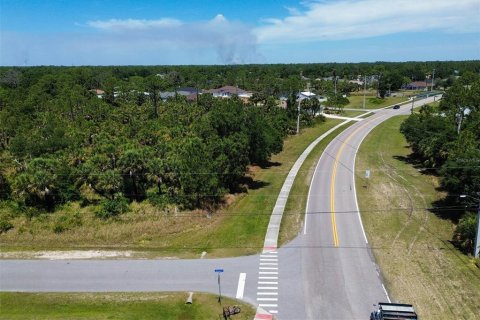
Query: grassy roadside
(239,229)
(356,102)
(411,244)
(115,306)
(294,213)
(352,114)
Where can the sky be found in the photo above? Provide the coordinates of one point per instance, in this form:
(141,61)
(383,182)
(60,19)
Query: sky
(172,32)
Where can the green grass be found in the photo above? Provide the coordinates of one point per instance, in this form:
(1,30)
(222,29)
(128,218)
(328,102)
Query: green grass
(371,102)
(237,229)
(115,306)
(351,114)
(412,245)
(294,213)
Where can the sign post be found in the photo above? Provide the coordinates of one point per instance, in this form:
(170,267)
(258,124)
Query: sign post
(219,271)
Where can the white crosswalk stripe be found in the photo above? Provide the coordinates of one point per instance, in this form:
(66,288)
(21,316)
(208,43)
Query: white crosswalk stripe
(268,281)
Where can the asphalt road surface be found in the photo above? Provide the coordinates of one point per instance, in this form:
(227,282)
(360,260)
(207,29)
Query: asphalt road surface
(327,272)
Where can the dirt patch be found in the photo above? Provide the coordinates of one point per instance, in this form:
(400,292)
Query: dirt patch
(67,255)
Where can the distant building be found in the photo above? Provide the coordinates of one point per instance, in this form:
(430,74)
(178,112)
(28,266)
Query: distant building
(225,91)
(310,95)
(305,95)
(283,102)
(98,92)
(418,85)
(167,95)
(228,92)
(358,82)
(186,91)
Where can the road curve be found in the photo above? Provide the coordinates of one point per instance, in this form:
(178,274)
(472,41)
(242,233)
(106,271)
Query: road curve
(327,272)
(338,275)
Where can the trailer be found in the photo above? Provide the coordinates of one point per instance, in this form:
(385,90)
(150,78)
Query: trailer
(394,311)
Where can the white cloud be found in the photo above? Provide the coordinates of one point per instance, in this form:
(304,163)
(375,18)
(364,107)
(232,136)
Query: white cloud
(350,19)
(133,24)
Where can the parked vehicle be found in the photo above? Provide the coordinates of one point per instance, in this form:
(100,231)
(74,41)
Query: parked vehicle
(394,311)
(397,106)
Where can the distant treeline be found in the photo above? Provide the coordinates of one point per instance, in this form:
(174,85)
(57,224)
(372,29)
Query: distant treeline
(268,79)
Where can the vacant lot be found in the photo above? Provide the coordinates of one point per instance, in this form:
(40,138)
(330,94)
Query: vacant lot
(238,229)
(411,244)
(115,306)
(371,102)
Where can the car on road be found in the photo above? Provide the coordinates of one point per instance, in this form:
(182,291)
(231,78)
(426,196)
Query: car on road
(397,106)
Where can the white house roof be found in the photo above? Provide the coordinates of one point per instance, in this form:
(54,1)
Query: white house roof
(307,94)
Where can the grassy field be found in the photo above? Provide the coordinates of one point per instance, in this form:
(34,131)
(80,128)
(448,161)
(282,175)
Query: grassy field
(356,102)
(238,229)
(116,306)
(411,244)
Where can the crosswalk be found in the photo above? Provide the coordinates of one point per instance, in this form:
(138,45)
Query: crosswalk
(267,285)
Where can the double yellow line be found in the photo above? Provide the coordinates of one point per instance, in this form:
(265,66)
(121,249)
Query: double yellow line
(332,185)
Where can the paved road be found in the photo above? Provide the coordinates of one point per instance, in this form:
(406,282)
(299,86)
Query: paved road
(327,272)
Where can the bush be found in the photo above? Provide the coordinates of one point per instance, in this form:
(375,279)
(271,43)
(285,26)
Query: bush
(112,208)
(5,225)
(465,232)
(67,222)
(159,201)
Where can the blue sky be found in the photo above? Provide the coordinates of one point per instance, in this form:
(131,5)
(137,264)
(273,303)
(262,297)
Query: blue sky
(128,32)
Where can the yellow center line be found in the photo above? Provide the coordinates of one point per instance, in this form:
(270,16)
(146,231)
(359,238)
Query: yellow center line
(332,185)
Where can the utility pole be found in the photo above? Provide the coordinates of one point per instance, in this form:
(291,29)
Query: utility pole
(335,81)
(476,247)
(364,90)
(413,102)
(433,78)
(476,244)
(298,117)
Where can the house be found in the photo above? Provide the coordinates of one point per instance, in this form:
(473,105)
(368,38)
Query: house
(225,91)
(305,95)
(418,85)
(98,92)
(283,102)
(167,95)
(357,82)
(186,91)
(228,92)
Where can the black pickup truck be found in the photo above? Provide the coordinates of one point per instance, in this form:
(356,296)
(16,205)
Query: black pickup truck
(394,311)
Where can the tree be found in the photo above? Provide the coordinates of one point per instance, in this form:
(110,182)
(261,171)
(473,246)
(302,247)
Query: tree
(155,85)
(465,232)
(38,184)
(134,165)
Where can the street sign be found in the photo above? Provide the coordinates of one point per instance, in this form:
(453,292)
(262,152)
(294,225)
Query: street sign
(219,272)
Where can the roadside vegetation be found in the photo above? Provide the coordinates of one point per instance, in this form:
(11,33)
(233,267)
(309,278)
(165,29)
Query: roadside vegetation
(116,306)
(445,139)
(238,228)
(99,157)
(372,102)
(411,244)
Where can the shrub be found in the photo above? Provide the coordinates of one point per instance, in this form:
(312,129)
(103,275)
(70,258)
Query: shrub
(5,225)
(112,208)
(67,222)
(465,232)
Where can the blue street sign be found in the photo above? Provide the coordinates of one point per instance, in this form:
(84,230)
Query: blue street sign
(218,270)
